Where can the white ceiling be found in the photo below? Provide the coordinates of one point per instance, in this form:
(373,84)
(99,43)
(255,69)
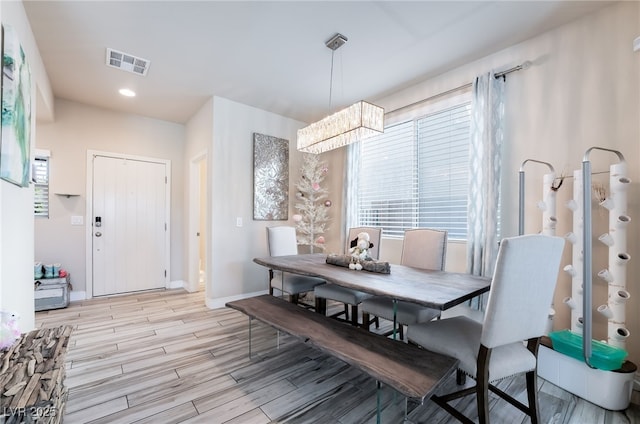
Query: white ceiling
(271,55)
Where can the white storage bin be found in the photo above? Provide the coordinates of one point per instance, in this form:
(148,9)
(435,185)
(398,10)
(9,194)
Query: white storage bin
(607,389)
(51,296)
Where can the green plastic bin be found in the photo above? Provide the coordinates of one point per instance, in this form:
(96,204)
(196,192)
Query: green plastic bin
(603,356)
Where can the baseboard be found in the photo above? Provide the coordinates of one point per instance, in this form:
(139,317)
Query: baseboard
(82,295)
(77,295)
(177,284)
(220,302)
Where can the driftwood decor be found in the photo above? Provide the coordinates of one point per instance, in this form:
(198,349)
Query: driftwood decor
(371,266)
(32,375)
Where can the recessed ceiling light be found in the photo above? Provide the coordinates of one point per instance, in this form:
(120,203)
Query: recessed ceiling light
(127,93)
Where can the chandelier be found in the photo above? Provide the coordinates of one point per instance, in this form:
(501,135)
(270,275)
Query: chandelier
(351,124)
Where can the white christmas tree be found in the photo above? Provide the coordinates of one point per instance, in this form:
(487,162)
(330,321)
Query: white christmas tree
(312,203)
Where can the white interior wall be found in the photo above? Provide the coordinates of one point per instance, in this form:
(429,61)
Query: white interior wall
(16,226)
(198,141)
(232,272)
(15,15)
(76,129)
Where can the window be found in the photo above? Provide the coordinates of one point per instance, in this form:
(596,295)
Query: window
(416,174)
(41,188)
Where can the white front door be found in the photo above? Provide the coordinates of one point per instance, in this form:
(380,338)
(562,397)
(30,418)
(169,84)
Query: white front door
(129,225)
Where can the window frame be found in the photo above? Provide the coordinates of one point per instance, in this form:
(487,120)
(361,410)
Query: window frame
(416,117)
(41,202)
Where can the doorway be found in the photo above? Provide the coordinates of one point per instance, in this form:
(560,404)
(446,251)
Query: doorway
(128,217)
(198,229)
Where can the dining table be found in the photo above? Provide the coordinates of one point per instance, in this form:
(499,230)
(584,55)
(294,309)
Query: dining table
(434,289)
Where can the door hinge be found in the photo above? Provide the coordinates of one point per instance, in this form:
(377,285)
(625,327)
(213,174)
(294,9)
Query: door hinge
(166,180)
(165,273)
(165,226)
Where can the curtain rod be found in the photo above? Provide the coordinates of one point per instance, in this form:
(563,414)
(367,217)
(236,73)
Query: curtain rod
(526,64)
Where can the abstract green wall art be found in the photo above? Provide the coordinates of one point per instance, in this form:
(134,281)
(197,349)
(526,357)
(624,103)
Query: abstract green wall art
(15,142)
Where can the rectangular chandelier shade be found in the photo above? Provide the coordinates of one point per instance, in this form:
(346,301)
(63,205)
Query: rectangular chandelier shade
(351,124)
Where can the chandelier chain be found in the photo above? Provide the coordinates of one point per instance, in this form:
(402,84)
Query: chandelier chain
(331,81)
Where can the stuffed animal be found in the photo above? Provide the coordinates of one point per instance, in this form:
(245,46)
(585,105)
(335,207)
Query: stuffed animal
(359,251)
(9,331)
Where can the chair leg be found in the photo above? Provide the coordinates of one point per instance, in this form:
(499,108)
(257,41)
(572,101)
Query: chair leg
(532,383)
(366,324)
(294,298)
(354,315)
(346,312)
(461,377)
(532,395)
(482,384)
(321,305)
(398,330)
(443,402)
(270,280)
(482,387)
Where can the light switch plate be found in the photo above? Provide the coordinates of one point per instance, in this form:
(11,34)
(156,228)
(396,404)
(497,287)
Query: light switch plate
(77,220)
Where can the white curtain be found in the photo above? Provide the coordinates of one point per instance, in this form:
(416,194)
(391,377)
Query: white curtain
(350,188)
(487,116)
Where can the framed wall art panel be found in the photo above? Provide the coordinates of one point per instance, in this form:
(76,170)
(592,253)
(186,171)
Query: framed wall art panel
(15,135)
(270,178)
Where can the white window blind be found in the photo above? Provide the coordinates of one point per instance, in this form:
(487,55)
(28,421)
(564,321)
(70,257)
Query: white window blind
(443,167)
(41,187)
(415,174)
(388,183)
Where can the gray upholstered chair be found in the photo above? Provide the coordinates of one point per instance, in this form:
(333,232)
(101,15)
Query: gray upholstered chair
(343,294)
(282,242)
(521,291)
(423,248)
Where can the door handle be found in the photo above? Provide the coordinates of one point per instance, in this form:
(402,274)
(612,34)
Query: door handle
(98,234)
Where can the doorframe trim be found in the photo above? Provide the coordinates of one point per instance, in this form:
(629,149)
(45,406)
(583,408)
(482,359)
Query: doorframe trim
(89,214)
(192,240)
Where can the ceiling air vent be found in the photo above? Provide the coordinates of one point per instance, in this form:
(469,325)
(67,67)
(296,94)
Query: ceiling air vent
(127,62)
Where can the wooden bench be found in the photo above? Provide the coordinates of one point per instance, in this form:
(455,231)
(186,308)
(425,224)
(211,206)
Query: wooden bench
(412,371)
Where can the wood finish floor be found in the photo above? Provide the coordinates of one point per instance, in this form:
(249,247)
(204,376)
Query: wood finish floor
(164,357)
